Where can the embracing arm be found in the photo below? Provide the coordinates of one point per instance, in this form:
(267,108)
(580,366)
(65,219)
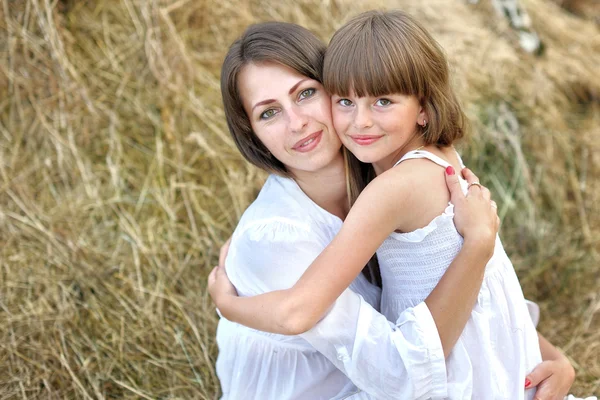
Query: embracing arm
(299,308)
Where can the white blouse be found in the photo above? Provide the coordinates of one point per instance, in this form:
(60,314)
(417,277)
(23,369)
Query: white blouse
(354,352)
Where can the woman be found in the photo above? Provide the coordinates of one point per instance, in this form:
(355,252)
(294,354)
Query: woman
(279,116)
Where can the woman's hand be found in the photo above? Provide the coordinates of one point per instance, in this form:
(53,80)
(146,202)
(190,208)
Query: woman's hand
(554,376)
(475,215)
(553,379)
(219,286)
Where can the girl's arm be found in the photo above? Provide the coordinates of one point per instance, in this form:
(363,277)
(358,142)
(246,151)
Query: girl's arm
(370,221)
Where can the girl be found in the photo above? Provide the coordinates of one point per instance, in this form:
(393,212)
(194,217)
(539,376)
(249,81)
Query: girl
(393,107)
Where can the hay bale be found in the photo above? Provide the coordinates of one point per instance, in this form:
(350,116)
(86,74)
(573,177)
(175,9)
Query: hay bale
(119,180)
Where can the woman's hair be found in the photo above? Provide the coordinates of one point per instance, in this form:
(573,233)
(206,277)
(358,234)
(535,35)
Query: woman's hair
(379,53)
(275,42)
(287,44)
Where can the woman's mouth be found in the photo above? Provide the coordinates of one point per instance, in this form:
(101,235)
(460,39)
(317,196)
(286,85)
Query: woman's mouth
(309,142)
(365,140)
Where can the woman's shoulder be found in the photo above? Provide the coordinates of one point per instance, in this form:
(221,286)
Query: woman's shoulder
(281,213)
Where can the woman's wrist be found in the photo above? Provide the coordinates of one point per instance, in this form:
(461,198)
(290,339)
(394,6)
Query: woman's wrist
(480,246)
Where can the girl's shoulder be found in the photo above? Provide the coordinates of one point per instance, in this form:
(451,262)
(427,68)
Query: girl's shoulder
(417,188)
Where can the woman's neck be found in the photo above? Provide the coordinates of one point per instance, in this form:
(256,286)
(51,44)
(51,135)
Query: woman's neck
(327,187)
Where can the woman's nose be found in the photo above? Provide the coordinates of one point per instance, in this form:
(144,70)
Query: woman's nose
(298,120)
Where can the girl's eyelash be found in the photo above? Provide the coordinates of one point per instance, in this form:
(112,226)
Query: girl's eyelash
(387,101)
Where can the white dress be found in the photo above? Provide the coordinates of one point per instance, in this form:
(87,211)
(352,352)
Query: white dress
(353,347)
(499,345)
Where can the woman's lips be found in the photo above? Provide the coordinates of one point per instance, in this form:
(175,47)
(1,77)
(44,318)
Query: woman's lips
(365,140)
(308,143)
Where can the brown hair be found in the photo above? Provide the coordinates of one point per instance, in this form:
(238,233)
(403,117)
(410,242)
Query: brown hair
(379,53)
(384,52)
(284,43)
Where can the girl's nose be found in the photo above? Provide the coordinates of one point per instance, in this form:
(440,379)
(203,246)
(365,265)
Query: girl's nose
(363,120)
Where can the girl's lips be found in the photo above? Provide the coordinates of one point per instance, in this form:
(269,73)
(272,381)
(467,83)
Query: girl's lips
(308,143)
(365,140)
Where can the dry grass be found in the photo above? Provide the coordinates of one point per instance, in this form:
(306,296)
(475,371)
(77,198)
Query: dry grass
(118,180)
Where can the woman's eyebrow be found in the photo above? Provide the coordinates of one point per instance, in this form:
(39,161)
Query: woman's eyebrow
(297,84)
(260,103)
(267,101)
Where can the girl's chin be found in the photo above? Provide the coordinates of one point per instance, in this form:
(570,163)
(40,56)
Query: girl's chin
(365,157)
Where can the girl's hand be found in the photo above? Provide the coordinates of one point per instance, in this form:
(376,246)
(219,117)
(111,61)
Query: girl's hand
(219,286)
(553,379)
(475,215)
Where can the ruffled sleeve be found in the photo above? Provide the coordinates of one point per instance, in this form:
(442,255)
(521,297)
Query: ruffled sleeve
(404,360)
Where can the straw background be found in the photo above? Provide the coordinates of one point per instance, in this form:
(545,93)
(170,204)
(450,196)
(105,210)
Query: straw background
(119,181)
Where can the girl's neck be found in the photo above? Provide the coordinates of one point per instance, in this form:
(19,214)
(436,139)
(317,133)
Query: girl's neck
(388,162)
(327,187)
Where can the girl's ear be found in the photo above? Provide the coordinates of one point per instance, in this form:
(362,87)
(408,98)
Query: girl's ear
(423,117)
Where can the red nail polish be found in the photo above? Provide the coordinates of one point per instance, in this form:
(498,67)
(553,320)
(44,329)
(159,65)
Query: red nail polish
(527,383)
(450,170)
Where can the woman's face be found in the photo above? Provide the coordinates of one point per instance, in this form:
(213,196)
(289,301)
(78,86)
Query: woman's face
(291,115)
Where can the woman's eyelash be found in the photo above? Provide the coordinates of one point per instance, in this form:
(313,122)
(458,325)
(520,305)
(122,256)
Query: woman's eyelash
(311,92)
(264,114)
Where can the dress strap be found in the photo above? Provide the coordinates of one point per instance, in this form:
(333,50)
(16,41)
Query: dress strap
(460,161)
(424,154)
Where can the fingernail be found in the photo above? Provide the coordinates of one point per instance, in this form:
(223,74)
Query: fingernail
(450,170)
(527,382)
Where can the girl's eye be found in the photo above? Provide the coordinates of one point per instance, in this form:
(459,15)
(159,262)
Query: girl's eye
(344,102)
(268,114)
(306,93)
(383,102)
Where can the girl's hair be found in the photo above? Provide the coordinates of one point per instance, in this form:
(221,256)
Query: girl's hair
(379,53)
(275,42)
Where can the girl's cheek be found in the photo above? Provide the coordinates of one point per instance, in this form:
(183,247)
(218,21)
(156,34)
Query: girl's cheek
(340,122)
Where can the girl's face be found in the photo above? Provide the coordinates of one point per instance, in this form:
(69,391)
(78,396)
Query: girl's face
(378,130)
(291,115)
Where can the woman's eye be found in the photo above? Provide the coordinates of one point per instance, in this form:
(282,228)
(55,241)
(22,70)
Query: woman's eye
(306,93)
(383,102)
(344,102)
(268,114)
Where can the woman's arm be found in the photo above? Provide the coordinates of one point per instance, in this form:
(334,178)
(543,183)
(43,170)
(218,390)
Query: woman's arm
(554,376)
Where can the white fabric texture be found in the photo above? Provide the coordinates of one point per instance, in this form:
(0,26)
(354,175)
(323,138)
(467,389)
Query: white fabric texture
(499,345)
(277,238)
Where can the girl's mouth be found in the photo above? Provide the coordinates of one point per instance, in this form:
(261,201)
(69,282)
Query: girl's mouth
(365,140)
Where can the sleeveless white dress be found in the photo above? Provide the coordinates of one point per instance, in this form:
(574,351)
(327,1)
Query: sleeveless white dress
(499,345)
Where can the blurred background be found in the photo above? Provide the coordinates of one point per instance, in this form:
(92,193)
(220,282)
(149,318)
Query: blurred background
(119,181)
